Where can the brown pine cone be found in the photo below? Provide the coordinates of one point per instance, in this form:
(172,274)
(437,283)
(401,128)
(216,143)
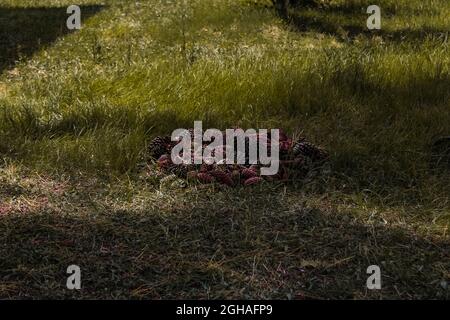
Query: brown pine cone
(179,170)
(222,177)
(159,146)
(307,149)
(249,173)
(164,161)
(205,177)
(252,181)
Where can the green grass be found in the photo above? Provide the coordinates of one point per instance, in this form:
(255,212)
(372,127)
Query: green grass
(77,110)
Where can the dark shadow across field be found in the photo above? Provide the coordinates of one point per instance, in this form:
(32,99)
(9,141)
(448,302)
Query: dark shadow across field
(256,246)
(24,31)
(350,31)
(349,21)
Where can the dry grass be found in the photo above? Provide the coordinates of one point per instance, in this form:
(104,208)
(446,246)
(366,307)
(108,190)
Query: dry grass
(144,240)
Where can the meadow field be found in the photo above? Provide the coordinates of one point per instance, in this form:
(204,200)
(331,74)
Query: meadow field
(78,109)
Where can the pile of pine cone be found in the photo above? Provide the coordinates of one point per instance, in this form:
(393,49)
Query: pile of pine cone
(297,158)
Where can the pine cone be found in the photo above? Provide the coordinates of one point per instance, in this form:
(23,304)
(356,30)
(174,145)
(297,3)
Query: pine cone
(307,149)
(159,146)
(222,177)
(249,173)
(179,170)
(164,161)
(253,180)
(205,177)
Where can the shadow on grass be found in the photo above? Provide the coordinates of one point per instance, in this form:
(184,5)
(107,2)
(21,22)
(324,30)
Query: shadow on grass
(348,21)
(351,31)
(229,245)
(24,31)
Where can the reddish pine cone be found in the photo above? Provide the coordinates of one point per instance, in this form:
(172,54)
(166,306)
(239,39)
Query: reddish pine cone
(164,161)
(252,181)
(249,173)
(205,177)
(222,177)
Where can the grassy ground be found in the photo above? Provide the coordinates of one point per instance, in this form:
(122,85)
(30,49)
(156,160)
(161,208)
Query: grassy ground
(77,110)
